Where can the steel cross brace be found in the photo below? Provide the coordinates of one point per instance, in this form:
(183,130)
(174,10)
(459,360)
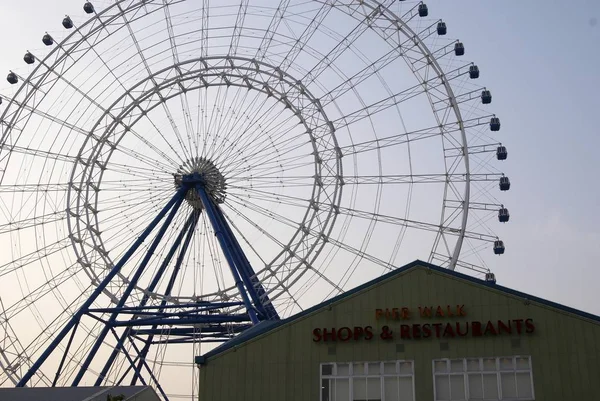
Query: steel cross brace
(187,231)
(177,198)
(183,319)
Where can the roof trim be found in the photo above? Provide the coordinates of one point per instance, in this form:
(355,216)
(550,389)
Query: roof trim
(261,329)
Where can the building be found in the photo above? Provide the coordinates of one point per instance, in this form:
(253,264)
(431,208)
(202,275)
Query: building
(418,333)
(129,393)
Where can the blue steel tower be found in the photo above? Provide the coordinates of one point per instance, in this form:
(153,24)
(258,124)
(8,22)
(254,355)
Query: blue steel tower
(203,189)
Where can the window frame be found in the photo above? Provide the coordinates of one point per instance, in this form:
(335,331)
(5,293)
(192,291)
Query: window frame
(381,375)
(498,371)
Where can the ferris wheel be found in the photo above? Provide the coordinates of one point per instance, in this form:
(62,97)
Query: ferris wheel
(175,172)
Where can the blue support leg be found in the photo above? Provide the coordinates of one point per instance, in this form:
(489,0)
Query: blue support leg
(227,251)
(260,295)
(190,222)
(84,307)
(174,274)
(132,283)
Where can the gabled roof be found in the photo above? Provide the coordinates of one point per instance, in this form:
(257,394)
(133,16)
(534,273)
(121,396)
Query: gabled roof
(264,327)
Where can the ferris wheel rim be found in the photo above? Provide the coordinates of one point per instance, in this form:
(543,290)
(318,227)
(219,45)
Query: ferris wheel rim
(191,74)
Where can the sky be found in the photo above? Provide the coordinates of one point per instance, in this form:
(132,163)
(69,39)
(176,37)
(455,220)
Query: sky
(540,59)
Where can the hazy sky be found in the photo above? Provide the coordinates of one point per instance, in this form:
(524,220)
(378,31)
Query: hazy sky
(541,60)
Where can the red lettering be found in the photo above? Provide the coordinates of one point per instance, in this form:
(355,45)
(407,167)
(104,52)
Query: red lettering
(448,331)
(518,322)
(425,311)
(502,327)
(405,331)
(358,332)
(439,312)
(426,330)
(330,334)
(378,313)
(449,311)
(529,326)
(317,335)
(476,328)
(458,329)
(416,331)
(344,337)
(405,313)
(437,326)
(460,310)
(395,313)
(489,328)
(368,333)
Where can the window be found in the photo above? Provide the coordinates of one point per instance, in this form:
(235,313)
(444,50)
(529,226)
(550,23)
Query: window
(504,378)
(368,381)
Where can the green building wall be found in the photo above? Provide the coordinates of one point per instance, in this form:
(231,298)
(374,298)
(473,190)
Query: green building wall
(283,364)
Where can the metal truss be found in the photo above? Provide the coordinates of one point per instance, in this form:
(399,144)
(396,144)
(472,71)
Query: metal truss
(187,322)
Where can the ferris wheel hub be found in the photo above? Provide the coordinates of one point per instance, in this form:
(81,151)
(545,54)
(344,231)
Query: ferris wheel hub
(199,170)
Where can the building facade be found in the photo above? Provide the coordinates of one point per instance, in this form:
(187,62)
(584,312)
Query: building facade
(420,333)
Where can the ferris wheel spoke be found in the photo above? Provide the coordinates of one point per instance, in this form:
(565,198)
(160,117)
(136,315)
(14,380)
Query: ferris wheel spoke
(133,181)
(140,53)
(422,134)
(372,109)
(361,76)
(237,29)
(268,275)
(222,124)
(52,119)
(234,127)
(273,181)
(43,154)
(289,251)
(33,257)
(135,154)
(273,27)
(259,150)
(154,174)
(124,210)
(418,178)
(248,140)
(36,188)
(270,164)
(183,95)
(29,222)
(42,290)
(420,225)
(137,174)
(209,124)
(242,131)
(305,37)
(125,89)
(204,34)
(237,204)
(341,46)
(255,144)
(275,197)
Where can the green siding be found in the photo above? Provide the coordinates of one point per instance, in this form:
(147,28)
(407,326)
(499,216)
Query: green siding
(283,364)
